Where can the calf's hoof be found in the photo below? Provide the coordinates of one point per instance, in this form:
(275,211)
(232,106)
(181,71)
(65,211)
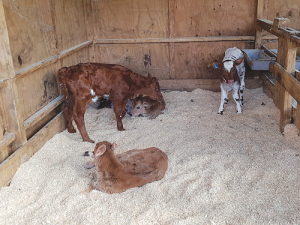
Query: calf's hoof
(221,113)
(88,140)
(71,130)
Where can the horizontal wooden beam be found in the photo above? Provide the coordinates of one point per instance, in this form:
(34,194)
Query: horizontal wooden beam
(76,48)
(288,81)
(8,139)
(39,115)
(190,84)
(284,32)
(52,59)
(9,167)
(205,84)
(175,40)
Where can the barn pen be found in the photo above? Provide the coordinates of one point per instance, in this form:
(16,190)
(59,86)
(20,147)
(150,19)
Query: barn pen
(222,169)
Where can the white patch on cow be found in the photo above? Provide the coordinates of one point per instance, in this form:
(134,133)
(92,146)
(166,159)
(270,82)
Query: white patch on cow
(93,92)
(106,96)
(228,65)
(95,99)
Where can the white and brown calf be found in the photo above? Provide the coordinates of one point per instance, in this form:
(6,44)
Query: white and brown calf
(232,78)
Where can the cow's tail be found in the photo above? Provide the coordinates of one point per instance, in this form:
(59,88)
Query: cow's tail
(61,78)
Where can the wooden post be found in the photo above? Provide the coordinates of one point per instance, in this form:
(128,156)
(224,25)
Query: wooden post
(259,15)
(172,71)
(286,58)
(9,91)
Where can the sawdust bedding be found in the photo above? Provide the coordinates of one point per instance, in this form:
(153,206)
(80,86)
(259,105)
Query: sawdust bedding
(230,169)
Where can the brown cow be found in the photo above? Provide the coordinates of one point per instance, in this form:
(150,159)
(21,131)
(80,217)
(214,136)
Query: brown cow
(82,82)
(145,106)
(134,168)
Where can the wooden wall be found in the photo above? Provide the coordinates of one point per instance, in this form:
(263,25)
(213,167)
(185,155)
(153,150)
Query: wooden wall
(282,8)
(182,38)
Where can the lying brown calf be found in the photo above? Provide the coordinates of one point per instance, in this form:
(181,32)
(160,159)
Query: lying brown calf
(146,106)
(82,82)
(116,174)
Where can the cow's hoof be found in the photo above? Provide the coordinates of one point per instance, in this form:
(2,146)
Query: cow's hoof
(89,140)
(238,112)
(226,101)
(221,113)
(71,130)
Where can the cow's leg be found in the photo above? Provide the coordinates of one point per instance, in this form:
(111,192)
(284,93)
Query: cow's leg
(78,115)
(236,97)
(242,85)
(120,111)
(224,96)
(68,112)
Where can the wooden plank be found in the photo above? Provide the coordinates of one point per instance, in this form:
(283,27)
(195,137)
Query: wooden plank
(268,86)
(205,84)
(288,9)
(36,90)
(288,81)
(204,18)
(9,167)
(190,84)
(144,58)
(268,26)
(259,14)
(70,23)
(39,115)
(269,52)
(46,62)
(9,93)
(74,49)
(175,40)
(36,66)
(30,31)
(193,60)
(171,13)
(130,19)
(5,148)
(8,139)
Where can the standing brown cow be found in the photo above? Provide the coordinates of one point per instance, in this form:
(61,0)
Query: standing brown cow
(82,82)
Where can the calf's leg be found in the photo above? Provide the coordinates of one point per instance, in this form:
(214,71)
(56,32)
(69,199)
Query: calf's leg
(68,113)
(224,98)
(119,109)
(236,97)
(78,114)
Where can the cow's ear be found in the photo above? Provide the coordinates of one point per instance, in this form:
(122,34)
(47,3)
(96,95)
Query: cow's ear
(145,104)
(238,61)
(114,146)
(100,150)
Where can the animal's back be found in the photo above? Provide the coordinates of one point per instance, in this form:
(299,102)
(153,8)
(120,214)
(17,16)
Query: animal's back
(145,162)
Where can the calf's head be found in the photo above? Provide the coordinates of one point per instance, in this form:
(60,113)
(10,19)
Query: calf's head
(151,88)
(139,107)
(228,71)
(104,147)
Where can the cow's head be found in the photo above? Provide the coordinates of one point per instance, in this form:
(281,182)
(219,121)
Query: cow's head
(151,88)
(228,71)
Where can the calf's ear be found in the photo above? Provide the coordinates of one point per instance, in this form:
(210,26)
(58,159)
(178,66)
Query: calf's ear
(100,150)
(114,146)
(145,104)
(238,61)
